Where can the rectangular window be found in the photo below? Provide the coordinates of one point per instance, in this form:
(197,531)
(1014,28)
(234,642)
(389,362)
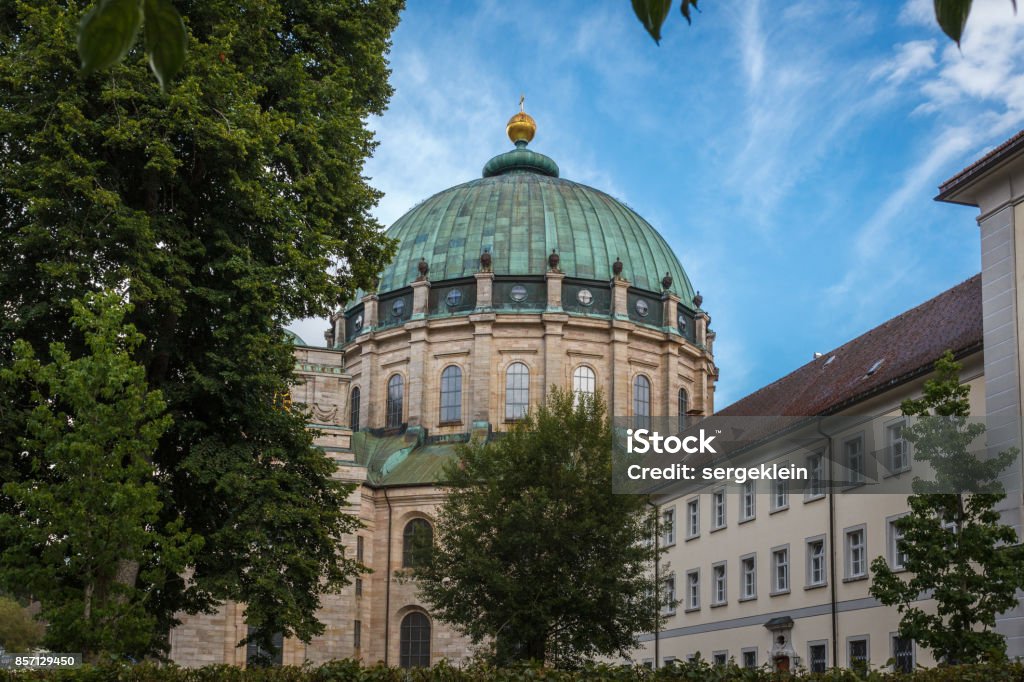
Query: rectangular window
(693,518)
(856,554)
(780,570)
(897,549)
(747,501)
(668,527)
(817,655)
(902,654)
(256,656)
(669,604)
(693,590)
(780,493)
(750,658)
(853,454)
(720,657)
(718,584)
(816,562)
(718,504)
(815,476)
(748,577)
(359,548)
(357,635)
(899,456)
(359,587)
(857,653)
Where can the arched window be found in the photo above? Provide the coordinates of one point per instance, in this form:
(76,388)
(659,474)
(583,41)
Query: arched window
(517,391)
(393,413)
(451,394)
(583,382)
(414,641)
(683,406)
(642,402)
(354,409)
(417,538)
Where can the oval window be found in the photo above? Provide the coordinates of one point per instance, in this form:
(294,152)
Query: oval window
(398,307)
(358,322)
(642,308)
(585,297)
(518,293)
(682,323)
(453,298)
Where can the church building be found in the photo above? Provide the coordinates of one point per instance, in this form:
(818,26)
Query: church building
(501,287)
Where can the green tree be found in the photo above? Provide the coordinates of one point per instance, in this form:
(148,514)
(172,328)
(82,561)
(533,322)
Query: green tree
(86,538)
(956,549)
(950,15)
(534,552)
(224,208)
(19,631)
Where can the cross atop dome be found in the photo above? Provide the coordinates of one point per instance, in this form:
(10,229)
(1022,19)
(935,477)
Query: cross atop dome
(521,127)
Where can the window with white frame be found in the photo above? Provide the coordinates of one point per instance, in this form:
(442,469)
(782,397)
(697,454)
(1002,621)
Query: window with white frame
(815,476)
(718,508)
(896,444)
(451,395)
(780,570)
(902,653)
(693,518)
(517,391)
(780,492)
(816,575)
(720,657)
(856,553)
(750,658)
(669,593)
(718,586)
(817,656)
(857,656)
(693,589)
(748,577)
(897,548)
(668,527)
(583,382)
(747,501)
(853,456)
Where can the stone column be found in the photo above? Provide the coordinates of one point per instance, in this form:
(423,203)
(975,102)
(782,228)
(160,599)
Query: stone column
(484,290)
(620,302)
(702,321)
(420,298)
(481,369)
(419,346)
(554,351)
(554,282)
(369,311)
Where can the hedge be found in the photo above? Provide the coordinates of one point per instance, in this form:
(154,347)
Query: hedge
(352,671)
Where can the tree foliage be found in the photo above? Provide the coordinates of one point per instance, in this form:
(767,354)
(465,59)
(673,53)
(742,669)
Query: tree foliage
(534,552)
(956,548)
(224,209)
(19,631)
(86,537)
(950,15)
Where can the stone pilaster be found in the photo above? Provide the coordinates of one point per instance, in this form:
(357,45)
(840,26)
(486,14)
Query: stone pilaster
(338,321)
(481,368)
(554,282)
(702,321)
(620,302)
(419,345)
(370,311)
(554,350)
(484,290)
(420,298)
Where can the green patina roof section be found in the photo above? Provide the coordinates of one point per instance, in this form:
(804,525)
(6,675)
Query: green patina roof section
(397,460)
(520,215)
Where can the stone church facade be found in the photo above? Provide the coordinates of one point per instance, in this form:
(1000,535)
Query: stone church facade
(501,288)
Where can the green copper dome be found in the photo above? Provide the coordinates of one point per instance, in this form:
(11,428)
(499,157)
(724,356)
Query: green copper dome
(519,212)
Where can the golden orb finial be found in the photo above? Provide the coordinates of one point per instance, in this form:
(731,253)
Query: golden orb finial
(521,127)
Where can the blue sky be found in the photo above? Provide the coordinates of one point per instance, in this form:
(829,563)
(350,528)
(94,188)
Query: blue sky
(788,151)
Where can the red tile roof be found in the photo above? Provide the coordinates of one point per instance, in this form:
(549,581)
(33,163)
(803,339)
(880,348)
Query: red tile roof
(902,348)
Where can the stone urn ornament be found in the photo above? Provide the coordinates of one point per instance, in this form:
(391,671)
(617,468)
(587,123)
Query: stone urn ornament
(423,268)
(485,261)
(698,300)
(666,282)
(617,268)
(553,261)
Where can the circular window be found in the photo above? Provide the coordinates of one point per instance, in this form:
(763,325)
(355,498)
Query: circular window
(358,322)
(681,321)
(642,308)
(398,307)
(518,293)
(585,297)
(453,298)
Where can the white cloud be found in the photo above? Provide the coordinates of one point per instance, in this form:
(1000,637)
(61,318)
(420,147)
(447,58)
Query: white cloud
(910,59)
